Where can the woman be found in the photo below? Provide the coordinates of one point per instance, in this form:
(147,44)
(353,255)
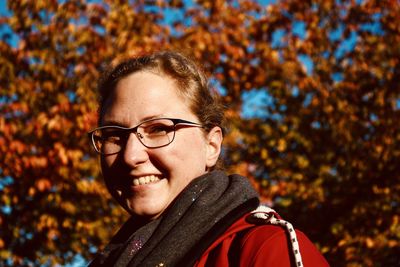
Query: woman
(160,139)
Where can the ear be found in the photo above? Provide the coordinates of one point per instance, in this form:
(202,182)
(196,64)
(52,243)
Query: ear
(214,142)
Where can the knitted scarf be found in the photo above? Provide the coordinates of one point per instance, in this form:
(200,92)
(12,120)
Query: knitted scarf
(197,217)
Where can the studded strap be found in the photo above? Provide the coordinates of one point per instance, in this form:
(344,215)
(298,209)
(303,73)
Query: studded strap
(266,215)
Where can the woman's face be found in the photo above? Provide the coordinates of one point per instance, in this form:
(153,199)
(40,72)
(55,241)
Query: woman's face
(146,180)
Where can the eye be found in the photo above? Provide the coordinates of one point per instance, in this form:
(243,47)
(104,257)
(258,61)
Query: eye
(111,135)
(158,129)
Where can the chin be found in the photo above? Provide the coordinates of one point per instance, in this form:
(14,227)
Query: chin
(149,213)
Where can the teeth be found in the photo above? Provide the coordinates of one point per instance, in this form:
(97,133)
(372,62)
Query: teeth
(145,180)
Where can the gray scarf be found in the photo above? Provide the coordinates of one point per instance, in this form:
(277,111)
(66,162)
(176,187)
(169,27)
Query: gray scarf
(197,217)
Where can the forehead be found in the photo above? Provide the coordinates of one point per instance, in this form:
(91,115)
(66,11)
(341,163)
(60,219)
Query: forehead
(143,95)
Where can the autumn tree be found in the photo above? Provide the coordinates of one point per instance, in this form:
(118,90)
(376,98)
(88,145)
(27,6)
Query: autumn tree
(312,96)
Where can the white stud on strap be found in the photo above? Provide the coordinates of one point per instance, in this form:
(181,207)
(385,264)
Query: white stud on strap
(266,215)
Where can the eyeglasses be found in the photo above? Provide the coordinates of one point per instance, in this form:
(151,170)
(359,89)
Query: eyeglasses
(151,133)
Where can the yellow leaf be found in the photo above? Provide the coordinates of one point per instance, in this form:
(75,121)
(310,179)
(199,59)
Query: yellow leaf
(43,184)
(264,153)
(281,145)
(370,243)
(302,162)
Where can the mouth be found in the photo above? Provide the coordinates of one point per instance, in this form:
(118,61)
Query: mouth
(143,180)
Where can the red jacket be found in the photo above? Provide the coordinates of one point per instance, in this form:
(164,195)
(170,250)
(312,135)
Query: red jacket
(258,245)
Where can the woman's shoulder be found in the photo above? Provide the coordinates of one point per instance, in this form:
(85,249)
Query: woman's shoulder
(259,242)
(274,241)
(271,245)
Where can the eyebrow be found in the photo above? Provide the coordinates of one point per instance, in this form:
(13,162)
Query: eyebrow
(113,122)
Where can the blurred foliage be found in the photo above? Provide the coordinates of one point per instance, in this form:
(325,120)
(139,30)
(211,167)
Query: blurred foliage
(322,145)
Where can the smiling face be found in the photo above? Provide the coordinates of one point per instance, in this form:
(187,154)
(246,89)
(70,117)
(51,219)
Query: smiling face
(146,180)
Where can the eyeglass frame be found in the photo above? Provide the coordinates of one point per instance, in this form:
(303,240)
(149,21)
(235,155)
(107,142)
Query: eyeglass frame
(134,130)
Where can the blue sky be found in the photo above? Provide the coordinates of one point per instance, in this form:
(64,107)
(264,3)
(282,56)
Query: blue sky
(5,29)
(3,7)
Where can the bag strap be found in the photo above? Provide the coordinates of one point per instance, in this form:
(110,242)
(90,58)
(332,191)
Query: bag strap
(266,215)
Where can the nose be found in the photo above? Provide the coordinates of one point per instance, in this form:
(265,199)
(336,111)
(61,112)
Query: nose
(135,152)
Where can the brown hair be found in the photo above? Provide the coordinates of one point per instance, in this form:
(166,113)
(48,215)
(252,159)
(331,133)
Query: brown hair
(191,82)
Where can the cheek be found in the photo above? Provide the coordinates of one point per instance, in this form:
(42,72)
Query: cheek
(109,169)
(189,152)
(107,161)
(105,169)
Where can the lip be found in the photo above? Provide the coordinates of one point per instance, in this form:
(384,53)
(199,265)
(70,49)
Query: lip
(128,189)
(147,179)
